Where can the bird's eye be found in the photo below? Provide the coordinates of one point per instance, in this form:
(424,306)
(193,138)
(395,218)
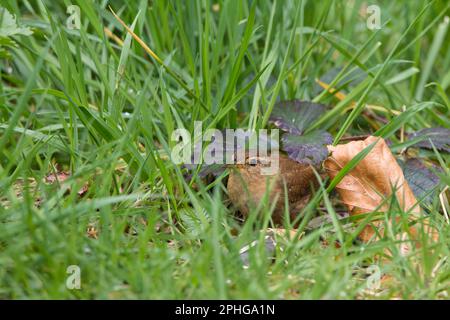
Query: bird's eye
(252,161)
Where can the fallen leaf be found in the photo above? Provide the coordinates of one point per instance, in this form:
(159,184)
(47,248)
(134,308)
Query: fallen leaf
(440,137)
(421,179)
(307,149)
(294,117)
(374,179)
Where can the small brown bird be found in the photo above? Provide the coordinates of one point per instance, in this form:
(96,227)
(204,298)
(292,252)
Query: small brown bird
(247,186)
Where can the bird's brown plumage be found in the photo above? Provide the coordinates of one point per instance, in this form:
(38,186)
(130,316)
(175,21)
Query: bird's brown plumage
(247,187)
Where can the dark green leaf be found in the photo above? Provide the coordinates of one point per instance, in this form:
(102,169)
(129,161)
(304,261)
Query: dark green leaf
(295,116)
(421,179)
(307,149)
(440,137)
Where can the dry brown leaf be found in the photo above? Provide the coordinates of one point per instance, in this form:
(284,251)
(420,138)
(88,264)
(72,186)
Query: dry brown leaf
(372,181)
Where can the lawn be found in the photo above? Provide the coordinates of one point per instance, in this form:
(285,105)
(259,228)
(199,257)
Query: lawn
(92,205)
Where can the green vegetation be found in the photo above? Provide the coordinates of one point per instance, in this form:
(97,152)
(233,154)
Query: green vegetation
(93,103)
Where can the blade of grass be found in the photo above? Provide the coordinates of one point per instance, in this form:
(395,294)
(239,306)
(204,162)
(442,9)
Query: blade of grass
(360,104)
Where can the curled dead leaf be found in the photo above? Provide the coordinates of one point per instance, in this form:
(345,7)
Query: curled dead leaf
(374,179)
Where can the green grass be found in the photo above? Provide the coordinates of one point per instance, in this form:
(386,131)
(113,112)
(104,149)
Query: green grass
(79,101)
